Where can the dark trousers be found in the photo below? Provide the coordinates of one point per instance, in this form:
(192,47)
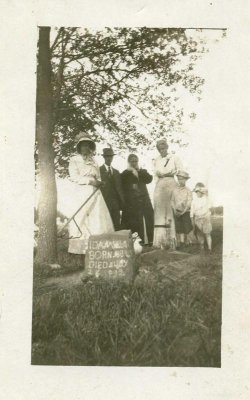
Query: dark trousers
(149,222)
(148,216)
(114,210)
(132,218)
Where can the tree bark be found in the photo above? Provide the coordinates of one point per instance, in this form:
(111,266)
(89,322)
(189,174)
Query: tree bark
(47,205)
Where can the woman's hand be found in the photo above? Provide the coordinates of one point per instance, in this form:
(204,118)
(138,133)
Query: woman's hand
(170,174)
(135,186)
(159,174)
(96,183)
(178,213)
(166,175)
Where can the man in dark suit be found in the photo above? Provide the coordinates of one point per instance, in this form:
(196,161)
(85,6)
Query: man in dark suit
(112,188)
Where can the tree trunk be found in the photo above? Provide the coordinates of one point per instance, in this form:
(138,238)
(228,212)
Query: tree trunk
(47,206)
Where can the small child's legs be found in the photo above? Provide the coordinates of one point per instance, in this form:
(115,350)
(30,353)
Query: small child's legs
(209,241)
(183,226)
(203,230)
(201,239)
(182,240)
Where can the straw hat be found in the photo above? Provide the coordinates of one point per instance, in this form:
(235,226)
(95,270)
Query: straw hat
(183,174)
(200,187)
(83,137)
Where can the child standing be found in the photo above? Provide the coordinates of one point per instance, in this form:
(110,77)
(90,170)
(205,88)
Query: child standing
(181,204)
(201,216)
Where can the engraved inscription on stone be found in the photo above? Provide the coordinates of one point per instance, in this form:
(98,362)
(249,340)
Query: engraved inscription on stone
(111,256)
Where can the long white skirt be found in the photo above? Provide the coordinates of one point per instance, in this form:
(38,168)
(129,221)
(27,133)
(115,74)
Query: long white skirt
(163,214)
(92,219)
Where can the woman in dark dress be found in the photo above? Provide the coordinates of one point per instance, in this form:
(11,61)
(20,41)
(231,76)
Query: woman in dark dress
(138,214)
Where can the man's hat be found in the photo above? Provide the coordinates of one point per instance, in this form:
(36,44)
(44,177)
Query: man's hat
(183,174)
(108,151)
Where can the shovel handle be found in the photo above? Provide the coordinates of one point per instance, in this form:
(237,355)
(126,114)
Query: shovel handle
(79,209)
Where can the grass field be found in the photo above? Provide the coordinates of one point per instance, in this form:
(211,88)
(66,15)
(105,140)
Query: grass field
(157,323)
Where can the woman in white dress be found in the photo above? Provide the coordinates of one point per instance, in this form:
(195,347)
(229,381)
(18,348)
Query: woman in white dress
(94,217)
(166,166)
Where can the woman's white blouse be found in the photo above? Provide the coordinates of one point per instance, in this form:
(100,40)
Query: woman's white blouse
(174,164)
(82,170)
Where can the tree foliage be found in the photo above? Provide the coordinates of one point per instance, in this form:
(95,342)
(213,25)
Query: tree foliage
(120,85)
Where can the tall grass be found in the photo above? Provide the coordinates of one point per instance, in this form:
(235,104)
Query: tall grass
(151,323)
(100,323)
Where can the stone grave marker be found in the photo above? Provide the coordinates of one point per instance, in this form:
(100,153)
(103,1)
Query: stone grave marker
(111,256)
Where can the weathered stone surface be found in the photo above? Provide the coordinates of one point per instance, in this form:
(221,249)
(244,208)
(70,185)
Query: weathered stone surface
(111,256)
(161,266)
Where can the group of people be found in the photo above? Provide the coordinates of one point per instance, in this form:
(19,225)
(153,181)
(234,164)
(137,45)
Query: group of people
(116,201)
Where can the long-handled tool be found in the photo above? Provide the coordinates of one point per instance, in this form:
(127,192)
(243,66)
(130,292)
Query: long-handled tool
(73,218)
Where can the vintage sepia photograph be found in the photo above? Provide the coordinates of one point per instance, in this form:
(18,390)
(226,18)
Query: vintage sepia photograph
(128,213)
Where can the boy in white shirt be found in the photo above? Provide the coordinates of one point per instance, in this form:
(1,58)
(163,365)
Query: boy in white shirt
(200,214)
(181,203)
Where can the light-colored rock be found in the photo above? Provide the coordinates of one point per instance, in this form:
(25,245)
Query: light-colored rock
(54,266)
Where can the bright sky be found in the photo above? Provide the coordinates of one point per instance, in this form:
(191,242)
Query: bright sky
(205,153)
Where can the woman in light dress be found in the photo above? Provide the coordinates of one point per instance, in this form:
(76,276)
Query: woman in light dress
(166,167)
(94,217)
